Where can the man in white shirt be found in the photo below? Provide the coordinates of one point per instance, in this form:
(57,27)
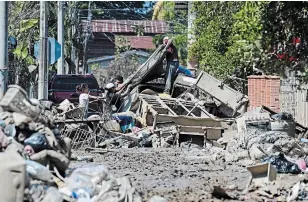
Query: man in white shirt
(84,96)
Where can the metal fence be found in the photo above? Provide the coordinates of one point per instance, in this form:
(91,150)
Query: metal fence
(294,100)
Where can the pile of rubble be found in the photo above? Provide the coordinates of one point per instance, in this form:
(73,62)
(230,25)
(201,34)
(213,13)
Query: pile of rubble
(35,158)
(201,111)
(208,113)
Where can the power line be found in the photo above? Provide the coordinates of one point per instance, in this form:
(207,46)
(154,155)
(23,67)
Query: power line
(131,9)
(164,9)
(138,14)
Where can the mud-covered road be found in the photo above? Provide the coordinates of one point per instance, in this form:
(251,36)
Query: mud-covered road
(176,174)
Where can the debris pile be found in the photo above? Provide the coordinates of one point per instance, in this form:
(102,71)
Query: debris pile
(205,112)
(35,158)
(201,111)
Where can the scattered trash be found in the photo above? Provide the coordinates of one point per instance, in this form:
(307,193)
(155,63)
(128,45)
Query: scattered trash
(38,171)
(52,195)
(37,141)
(282,116)
(304,140)
(301,164)
(282,164)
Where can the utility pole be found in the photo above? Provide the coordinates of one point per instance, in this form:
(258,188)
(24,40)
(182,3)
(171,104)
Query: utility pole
(3,47)
(72,31)
(78,40)
(43,68)
(85,49)
(61,37)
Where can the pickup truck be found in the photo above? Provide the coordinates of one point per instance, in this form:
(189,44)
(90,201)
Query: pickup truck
(63,87)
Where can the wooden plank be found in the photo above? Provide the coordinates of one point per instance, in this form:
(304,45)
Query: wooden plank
(263,172)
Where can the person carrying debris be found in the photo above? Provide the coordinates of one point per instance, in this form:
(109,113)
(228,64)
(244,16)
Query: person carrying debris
(114,97)
(172,65)
(84,96)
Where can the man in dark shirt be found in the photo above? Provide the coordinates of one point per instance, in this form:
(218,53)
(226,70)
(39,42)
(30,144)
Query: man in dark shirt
(119,82)
(172,65)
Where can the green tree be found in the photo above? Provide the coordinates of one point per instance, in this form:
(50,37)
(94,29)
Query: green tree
(247,35)
(178,25)
(282,22)
(213,27)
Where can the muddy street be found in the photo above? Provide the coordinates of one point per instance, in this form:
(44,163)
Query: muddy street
(174,173)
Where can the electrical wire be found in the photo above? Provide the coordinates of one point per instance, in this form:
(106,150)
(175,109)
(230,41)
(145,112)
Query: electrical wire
(139,15)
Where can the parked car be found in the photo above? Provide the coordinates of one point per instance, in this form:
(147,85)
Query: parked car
(63,87)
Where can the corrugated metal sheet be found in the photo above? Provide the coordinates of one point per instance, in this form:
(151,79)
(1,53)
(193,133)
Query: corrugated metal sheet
(126,26)
(293,100)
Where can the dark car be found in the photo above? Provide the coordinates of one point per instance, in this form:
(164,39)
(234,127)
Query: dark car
(63,87)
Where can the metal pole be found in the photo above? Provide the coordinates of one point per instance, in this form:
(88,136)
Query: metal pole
(3,47)
(61,37)
(72,33)
(79,38)
(43,80)
(85,50)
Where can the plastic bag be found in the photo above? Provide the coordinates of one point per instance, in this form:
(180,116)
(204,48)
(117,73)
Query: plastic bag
(86,178)
(38,171)
(80,193)
(10,130)
(52,195)
(282,164)
(37,141)
(145,139)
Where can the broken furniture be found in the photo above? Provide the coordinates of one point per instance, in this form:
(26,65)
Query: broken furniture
(193,122)
(230,102)
(263,172)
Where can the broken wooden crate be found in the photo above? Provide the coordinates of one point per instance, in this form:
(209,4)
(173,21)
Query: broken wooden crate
(193,122)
